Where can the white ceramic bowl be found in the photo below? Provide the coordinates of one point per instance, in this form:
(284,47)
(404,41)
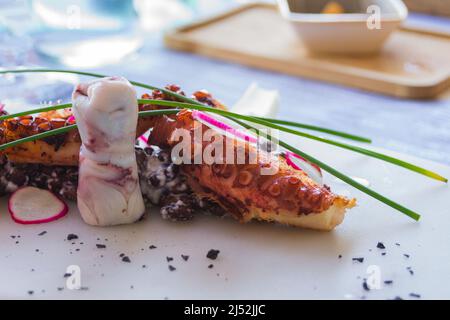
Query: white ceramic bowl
(353,32)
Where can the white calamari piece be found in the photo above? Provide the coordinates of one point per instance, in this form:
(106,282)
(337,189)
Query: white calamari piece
(108,192)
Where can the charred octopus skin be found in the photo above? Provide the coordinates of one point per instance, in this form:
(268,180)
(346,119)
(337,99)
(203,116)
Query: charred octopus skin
(108,188)
(287,196)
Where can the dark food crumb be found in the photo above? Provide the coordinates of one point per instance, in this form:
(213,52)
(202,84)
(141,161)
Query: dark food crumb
(398,298)
(365,285)
(66,275)
(388,282)
(406,255)
(144,266)
(410,270)
(397,244)
(152,247)
(211,266)
(100,246)
(172,268)
(169,259)
(60,288)
(42,233)
(185,257)
(212,254)
(37,250)
(340,256)
(380,245)
(126,259)
(414,295)
(360,260)
(383,253)
(72,236)
(30,292)
(122,255)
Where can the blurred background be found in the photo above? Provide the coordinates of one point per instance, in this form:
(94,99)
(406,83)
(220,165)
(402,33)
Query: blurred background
(125,37)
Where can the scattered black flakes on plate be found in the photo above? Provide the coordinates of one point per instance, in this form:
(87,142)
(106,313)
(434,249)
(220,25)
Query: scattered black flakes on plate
(42,233)
(13,237)
(360,260)
(122,255)
(380,245)
(415,295)
(126,259)
(172,268)
(211,266)
(169,259)
(212,254)
(152,247)
(388,282)
(185,257)
(100,246)
(410,270)
(72,236)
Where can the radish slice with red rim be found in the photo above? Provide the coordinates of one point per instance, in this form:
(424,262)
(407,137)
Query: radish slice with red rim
(30,205)
(299,163)
(223,127)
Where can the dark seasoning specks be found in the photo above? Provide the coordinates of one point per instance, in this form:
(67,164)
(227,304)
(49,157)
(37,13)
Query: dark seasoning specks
(175,261)
(102,247)
(381,249)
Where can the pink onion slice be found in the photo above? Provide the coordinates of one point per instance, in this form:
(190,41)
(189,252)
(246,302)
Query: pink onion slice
(143,138)
(222,126)
(30,205)
(299,163)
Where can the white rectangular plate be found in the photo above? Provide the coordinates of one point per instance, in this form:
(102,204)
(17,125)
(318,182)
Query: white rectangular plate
(256,260)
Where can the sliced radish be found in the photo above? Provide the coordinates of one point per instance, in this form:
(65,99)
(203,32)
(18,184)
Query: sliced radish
(30,205)
(222,126)
(71,119)
(299,163)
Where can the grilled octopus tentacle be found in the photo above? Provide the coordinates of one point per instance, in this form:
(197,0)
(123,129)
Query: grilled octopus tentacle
(288,196)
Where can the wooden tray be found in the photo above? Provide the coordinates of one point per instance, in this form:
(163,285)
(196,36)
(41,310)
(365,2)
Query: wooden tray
(437,7)
(413,63)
